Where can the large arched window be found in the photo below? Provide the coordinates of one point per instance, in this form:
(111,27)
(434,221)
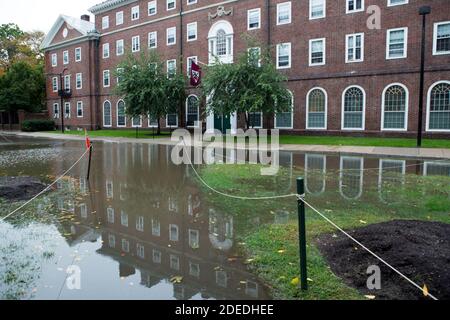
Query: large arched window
(395,107)
(438,115)
(192,110)
(315,173)
(221,42)
(353,108)
(107,114)
(121,116)
(285,120)
(351,177)
(316,105)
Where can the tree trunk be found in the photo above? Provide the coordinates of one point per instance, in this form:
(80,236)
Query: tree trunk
(159,127)
(247,120)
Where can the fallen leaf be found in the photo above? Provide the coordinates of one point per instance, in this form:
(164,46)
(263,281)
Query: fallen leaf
(425,290)
(310,280)
(370,297)
(281,251)
(295,281)
(363,222)
(176,279)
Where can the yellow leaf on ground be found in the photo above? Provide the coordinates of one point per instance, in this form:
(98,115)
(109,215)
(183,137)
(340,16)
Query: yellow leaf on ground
(176,279)
(363,222)
(281,251)
(370,297)
(295,281)
(425,290)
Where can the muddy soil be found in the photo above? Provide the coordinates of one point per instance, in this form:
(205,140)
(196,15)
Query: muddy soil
(14,189)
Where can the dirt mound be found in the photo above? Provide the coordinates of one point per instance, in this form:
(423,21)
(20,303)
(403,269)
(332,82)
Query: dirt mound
(20,188)
(420,250)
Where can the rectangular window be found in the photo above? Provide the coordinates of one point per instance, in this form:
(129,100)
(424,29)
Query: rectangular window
(119,75)
(105,22)
(254,54)
(136,122)
(119,18)
(397,43)
(67,110)
(171,68)
(192,31)
(67,82)
(136,44)
(54,60)
(55,85)
(56,110)
(153,40)
(135,13)
(172,121)
(105,50)
(441,38)
(152,8)
(189,64)
(317,9)
(189,2)
(253,19)
(66,57)
(106,78)
(171,4)
(140,222)
(173,233)
(171,36)
(80,109)
(354,48)
(354,6)
(284,56)
(284,15)
(317,52)
(120,49)
(396,2)
(79,81)
(78,55)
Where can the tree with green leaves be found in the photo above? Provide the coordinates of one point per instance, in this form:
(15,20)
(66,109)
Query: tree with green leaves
(252,84)
(147,90)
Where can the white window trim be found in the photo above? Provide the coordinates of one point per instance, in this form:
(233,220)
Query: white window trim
(133,10)
(188,59)
(133,49)
(326,109)
(259,53)
(290,55)
(405,43)
(117,47)
(108,53)
(390,4)
(156,8)
(383,98)
(262,120)
(175,36)
(109,75)
(57,84)
(156,39)
(429,105)
(105,25)
(362,47)
(308,157)
(76,81)
(168,63)
(80,103)
(103,115)
(56,108)
(311,64)
(198,109)
(117,115)
(67,80)
(435,29)
(119,14)
(324,10)
(149,123)
(191,3)
(292,115)
(341,176)
(79,50)
(66,53)
(54,60)
(347,11)
(67,115)
(279,5)
(187,32)
(136,126)
(167,5)
(259,19)
(364,109)
(172,127)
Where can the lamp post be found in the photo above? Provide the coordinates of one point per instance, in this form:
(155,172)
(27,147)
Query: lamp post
(423,11)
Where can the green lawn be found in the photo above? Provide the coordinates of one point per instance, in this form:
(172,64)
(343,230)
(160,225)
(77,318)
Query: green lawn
(126,133)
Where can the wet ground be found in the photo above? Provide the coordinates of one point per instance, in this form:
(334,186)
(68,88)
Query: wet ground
(143,228)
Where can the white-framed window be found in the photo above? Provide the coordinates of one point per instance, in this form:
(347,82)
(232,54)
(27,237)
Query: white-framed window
(192,111)
(174,262)
(140,222)
(315,173)
(67,111)
(284,13)
(394,116)
(55,84)
(285,120)
(254,54)
(397,43)
(157,256)
(392,3)
(121,114)
(56,110)
(105,50)
(136,44)
(221,42)
(124,219)
(77,54)
(152,8)
(140,251)
(110,216)
(317,52)
(189,2)
(255,119)
(105,22)
(353,108)
(354,47)
(190,60)
(54,60)
(153,40)
(351,177)
(120,47)
(79,109)
(152,123)
(171,4)
(171,36)
(156,228)
(119,18)
(172,120)
(120,72)
(79,81)
(67,82)
(173,233)
(316,109)
(194,239)
(66,57)
(171,67)
(107,114)
(317,9)
(192,31)
(254,19)
(354,6)
(135,13)
(125,245)
(109,184)
(438,107)
(136,122)
(106,78)
(441,38)
(284,55)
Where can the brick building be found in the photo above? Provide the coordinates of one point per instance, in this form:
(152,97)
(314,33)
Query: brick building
(346,76)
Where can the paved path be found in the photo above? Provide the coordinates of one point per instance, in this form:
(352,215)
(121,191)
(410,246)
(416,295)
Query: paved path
(379,151)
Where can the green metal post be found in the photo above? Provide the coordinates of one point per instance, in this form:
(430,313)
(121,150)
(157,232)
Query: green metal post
(302,235)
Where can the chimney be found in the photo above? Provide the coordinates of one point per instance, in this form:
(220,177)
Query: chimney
(86,17)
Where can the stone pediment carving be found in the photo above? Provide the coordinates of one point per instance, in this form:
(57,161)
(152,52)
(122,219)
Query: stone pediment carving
(220,12)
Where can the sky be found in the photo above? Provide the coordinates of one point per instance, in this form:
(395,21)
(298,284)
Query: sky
(41,14)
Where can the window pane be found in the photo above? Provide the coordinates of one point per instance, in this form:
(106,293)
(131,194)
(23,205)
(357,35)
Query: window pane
(440,107)
(353,108)
(394,108)
(316,111)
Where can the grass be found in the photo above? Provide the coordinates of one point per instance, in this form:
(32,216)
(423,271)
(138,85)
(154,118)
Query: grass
(126,133)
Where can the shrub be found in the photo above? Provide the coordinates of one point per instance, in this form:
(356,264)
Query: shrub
(38,125)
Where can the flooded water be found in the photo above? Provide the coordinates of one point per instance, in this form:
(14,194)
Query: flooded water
(143,228)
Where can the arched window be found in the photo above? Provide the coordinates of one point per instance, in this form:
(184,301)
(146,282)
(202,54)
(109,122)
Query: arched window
(107,114)
(438,115)
(315,173)
(285,120)
(192,110)
(395,107)
(121,116)
(221,42)
(353,108)
(316,109)
(351,177)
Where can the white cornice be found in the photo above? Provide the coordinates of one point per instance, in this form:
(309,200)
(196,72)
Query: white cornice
(109,5)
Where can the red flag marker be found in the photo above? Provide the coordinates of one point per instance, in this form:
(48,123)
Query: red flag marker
(196,74)
(88,140)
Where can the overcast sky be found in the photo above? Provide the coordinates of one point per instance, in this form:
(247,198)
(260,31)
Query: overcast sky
(41,14)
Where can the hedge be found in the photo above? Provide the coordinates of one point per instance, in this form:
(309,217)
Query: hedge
(38,125)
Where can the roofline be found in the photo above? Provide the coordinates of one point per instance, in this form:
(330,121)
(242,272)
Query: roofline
(109,5)
(59,45)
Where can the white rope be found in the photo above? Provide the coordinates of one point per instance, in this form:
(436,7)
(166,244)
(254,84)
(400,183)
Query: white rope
(45,190)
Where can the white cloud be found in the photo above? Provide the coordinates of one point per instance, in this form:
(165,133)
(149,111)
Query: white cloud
(41,14)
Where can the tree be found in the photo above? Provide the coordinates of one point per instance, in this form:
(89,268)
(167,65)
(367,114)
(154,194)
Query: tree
(252,84)
(147,90)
